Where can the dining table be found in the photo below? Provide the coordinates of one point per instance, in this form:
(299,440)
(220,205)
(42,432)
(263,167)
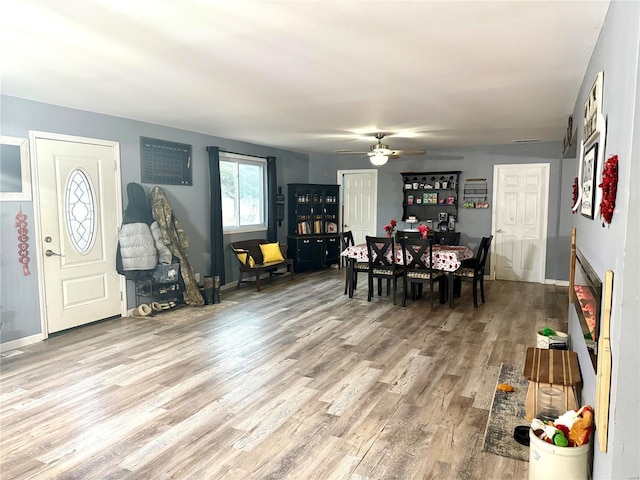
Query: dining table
(446,258)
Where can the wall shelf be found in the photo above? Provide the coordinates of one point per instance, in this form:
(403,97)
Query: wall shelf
(475,193)
(429,196)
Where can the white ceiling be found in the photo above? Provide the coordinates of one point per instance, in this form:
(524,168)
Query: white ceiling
(309,76)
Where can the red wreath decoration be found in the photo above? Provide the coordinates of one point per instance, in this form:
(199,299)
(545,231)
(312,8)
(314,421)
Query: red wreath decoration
(23,241)
(575,193)
(609,187)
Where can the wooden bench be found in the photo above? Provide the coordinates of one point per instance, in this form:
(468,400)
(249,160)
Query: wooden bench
(251,261)
(546,368)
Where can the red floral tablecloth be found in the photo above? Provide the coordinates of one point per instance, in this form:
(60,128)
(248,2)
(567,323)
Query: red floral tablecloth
(445,257)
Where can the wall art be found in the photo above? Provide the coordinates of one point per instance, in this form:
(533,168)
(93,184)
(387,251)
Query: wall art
(592,109)
(589,181)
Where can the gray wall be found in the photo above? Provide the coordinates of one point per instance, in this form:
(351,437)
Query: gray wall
(616,247)
(19,293)
(472,162)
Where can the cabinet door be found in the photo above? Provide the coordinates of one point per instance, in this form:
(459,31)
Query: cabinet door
(305,253)
(330,210)
(318,252)
(300,210)
(332,250)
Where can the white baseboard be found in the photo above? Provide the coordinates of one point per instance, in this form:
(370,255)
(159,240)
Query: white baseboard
(20,342)
(558,283)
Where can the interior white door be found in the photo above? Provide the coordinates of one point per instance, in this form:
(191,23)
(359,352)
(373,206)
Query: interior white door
(359,202)
(79,216)
(520,200)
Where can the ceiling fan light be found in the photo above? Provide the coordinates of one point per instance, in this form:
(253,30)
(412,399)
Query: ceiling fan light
(378,159)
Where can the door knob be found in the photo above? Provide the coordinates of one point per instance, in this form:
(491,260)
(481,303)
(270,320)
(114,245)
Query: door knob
(51,253)
(500,231)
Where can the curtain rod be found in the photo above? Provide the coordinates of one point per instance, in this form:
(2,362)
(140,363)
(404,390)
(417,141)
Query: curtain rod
(244,154)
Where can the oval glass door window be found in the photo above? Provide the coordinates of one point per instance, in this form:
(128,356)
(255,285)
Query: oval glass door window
(80,210)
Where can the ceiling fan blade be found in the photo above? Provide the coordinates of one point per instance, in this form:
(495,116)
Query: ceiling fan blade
(408,152)
(350,151)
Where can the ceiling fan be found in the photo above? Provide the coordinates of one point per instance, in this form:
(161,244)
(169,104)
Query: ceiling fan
(380,152)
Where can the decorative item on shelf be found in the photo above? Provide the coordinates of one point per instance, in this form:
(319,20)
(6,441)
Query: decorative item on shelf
(409,199)
(609,187)
(575,193)
(424,230)
(412,220)
(390,228)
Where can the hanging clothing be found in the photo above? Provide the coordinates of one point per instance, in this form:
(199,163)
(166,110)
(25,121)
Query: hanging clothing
(140,243)
(176,240)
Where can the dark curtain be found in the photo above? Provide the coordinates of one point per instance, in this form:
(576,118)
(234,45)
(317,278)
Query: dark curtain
(272,190)
(217,242)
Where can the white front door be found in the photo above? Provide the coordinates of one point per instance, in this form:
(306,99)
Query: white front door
(78,205)
(359,192)
(520,201)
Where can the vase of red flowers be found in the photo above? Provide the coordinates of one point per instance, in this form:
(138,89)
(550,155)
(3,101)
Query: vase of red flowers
(424,230)
(390,228)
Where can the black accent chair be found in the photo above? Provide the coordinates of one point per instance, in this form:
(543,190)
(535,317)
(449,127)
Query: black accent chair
(446,238)
(351,281)
(417,271)
(473,271)
(382,264)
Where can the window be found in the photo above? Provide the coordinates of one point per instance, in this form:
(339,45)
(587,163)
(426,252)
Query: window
(243,184)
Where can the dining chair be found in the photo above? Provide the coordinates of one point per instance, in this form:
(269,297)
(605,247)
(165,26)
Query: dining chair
(382,264)
(346,241)
(474,269)
(417,255)
(446,238)
(351,280)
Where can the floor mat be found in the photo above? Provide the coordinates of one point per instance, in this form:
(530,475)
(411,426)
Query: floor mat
(507,412)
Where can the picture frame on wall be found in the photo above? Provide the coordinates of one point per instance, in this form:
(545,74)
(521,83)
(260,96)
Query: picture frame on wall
(592,108)
(587,207)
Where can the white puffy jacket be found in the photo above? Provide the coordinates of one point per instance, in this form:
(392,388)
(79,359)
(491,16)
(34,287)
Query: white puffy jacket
(141,247)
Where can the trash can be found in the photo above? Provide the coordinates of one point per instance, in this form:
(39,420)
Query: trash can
(550,461)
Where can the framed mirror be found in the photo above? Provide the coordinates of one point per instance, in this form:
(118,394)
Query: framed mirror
(15,172)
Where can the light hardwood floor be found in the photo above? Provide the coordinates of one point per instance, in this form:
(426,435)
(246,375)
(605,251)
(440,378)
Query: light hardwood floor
(297,382)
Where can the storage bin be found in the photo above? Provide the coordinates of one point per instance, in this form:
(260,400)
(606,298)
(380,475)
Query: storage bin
(547,461)
(166,273)
(559,338)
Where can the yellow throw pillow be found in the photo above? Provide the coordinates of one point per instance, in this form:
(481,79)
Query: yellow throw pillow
(242,256)
(271,252)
